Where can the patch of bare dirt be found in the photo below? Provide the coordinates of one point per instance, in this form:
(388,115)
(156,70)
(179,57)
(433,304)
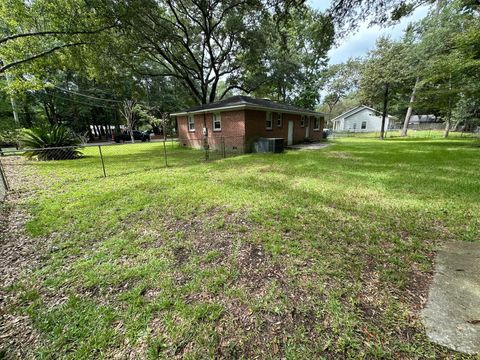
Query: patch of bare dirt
(242,330)
(19,255)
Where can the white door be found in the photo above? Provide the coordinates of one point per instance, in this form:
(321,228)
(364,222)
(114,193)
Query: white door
(307,128)
(290,133)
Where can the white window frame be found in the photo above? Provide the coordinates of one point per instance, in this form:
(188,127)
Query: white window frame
(269,119)
(302,121)
(279,120)
(191,121)
(216,118)
(363,127)
(316,124)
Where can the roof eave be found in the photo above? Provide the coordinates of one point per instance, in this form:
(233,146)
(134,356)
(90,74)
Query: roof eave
(250,107)
(344,115)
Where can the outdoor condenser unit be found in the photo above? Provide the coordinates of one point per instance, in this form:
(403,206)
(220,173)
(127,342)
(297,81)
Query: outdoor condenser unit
(263,145)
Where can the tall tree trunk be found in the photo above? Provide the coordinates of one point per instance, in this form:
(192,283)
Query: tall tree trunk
(131,135)
(53,111)
(384,113)
(13,103)
(28,116)
(447,125)
(410,109)
(449,114)
(47,112)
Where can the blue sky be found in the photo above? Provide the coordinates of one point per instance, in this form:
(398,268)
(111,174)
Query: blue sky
(359,43)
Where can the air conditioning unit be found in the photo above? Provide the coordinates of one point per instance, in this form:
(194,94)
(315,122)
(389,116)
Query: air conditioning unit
(264,145)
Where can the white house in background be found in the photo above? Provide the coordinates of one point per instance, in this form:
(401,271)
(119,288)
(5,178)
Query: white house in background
(361,119)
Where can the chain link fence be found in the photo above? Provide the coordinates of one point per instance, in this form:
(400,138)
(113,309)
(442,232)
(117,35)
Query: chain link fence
(412,133)
(78,163)
(3,183)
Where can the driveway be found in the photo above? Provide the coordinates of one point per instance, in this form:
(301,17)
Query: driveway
(452,314)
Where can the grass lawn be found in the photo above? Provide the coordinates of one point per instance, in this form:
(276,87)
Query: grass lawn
(306,254)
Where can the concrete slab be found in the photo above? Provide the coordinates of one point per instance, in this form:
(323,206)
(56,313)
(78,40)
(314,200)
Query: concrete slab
(452,314)
(311,146)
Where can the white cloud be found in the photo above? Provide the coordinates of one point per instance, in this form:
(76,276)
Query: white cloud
(359,43)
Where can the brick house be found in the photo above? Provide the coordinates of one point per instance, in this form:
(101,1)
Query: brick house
(238,121)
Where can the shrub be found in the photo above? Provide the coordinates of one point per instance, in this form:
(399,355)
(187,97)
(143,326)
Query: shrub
(63,141)
(9,132)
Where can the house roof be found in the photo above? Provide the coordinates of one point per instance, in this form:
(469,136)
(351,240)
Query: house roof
(416,119)
(355,110)
(246,102)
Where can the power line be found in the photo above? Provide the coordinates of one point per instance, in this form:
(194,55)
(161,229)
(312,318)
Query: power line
(87,96)
(85,103)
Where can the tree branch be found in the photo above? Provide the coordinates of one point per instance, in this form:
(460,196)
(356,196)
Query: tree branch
(231,87)
(46,33)
(50,51)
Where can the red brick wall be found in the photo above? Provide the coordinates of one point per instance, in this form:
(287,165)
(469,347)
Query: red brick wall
(256,127)
(233,129)
(316,135)
(241,127)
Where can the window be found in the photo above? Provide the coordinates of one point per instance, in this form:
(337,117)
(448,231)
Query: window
(191,123)
(354,126)
(364,124)
(302,121)
(279,120)
(217,122)
(316,123)
(268,123)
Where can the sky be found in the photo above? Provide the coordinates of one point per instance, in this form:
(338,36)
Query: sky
(363,40)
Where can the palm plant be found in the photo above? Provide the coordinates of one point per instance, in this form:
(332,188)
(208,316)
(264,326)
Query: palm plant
(55,142)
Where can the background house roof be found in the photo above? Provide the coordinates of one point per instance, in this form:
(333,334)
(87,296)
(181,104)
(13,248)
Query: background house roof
(355,110)
(417,119)
(241,101)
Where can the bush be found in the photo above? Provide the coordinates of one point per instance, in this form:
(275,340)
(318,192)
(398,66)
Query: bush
(9,138)
(63,141)
(9,132)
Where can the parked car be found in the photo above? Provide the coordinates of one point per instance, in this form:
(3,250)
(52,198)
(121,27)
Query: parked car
(125,136)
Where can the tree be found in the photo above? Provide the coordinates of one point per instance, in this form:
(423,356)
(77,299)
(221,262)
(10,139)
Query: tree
(240,43)
(348,14)
(41,28)
(201,45)
(339,80)
(415,57)
(384,76)
(408,115)
(467,113)
(451,36)
(198,43)
(294,56)
(128,110)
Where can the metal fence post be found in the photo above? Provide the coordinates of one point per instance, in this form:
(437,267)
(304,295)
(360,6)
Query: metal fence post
(165,151)
(101,158)
(222,139)
(206,146)
(4,177)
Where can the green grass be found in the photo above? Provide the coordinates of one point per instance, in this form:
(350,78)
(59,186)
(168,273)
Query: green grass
(306,254)
(412,134)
